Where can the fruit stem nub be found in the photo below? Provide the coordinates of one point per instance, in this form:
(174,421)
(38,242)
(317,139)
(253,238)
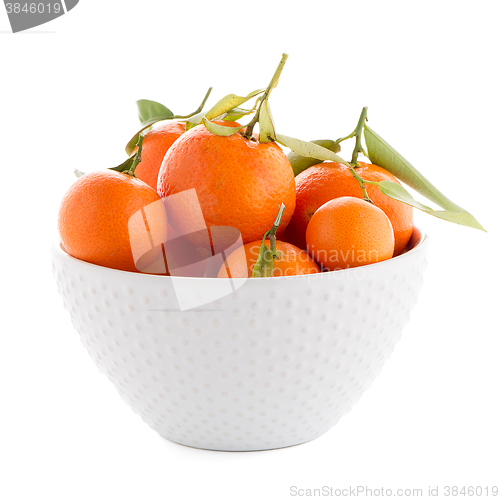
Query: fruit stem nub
(265,261)
(274,229)
(136,157)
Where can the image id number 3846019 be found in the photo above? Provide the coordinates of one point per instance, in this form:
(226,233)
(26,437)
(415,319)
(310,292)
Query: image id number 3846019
(470,491)
(33,8)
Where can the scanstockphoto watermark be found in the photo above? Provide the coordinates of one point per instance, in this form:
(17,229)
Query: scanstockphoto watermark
(463,491)
(28,14)
(355,491)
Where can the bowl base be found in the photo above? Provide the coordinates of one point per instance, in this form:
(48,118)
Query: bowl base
(243,450)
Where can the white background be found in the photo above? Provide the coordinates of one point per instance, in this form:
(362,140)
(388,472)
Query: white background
(428,72)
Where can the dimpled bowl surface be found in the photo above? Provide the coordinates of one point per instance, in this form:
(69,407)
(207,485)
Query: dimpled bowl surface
(275,363)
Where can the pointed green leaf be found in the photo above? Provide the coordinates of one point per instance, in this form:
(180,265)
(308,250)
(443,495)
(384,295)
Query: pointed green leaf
(151,112)
(266,124)
(78,173)
(126,164)
(301,163)
(228,103)
(385,156)
(237,113)
(398,192)
(195,119)
(254,93)
(220,129)
(309,149)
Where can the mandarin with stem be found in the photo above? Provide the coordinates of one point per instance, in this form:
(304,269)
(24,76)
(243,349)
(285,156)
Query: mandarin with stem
(156,143)
(238,181)
(291,261)
(326,181)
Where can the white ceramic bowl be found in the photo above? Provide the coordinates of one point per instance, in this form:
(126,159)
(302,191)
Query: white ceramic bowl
(275,363)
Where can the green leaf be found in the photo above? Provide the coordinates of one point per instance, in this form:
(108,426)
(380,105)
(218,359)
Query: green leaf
(131,163)
(194,120)
(309,149)
(237,113)
(267,131)
(398,192)
(228,103)
(385,156)
(301,163)
(221,130)
(78,173)
(125,165)
(151,112)
(264,265)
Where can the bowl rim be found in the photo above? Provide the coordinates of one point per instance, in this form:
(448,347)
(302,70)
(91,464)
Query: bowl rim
(422,243)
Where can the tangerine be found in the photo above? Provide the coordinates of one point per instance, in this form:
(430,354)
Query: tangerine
(326,181)
(349,232)
(239,182)
(109,219)
(291,261)
(156,143)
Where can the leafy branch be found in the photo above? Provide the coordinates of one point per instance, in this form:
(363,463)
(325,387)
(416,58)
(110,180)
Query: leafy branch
(130,164)
(267,132)
(385,156)
(151,112)
(382,154)
(229,105)
(305,154)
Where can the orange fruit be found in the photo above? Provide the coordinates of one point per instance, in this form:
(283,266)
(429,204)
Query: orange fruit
(349,232)
(109,218)
(326,181)
(239,182)
(156,143)
(292,261)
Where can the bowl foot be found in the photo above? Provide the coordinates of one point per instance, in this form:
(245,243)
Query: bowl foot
(223,448)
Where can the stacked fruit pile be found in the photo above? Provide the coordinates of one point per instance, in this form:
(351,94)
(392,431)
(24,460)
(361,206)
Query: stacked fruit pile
(307,212)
